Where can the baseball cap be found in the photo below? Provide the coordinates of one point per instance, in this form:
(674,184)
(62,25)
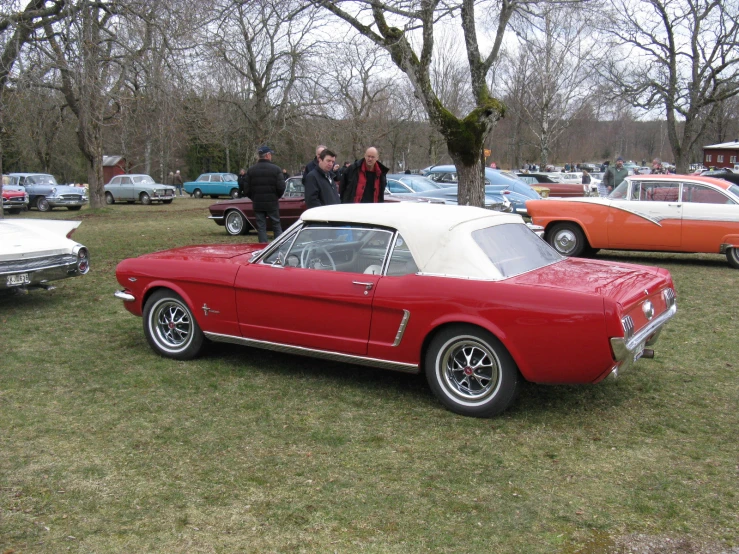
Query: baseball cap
(264,150)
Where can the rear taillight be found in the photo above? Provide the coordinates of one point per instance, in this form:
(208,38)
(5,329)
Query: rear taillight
(83,260)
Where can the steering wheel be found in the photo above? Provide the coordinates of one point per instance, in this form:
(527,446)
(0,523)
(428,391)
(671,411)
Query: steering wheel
(306,254)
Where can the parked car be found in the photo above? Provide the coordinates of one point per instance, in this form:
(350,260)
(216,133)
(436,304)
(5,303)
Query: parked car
(668,213)
(495,197)
(237,216)
(456,292)
(15,198)
(34,252)
(556,185)
(402,183)
(518,191)
(213,185)
(726,174)
(44,193)
(137,188)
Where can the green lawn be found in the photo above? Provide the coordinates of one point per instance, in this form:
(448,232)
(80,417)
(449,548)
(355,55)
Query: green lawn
(107,447)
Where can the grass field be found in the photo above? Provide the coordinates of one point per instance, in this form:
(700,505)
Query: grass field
(107,447)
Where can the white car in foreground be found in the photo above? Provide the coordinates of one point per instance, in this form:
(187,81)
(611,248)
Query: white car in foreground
(34,252)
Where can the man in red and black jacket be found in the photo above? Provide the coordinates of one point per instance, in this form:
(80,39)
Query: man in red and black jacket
(364,181)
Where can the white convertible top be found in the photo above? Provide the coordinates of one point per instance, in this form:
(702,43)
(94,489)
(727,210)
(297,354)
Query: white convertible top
(439,236)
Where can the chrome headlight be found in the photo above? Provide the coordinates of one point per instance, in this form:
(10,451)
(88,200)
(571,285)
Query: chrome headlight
(53,191)
(628,324)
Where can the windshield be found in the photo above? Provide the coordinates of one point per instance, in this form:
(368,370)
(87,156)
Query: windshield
(41,180)
(513,248)
(143,179)
(734,189)
(619,192)
(419,184)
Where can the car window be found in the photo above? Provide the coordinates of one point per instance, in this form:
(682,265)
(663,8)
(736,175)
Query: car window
(620,191)
(215,178)
(125,180)
(115,181)
(203,178)
(528,179)
(230,177)
(396,187)
(401,260)
(701,194)
(341,248)
(513,248)
(655,191)
(420,184)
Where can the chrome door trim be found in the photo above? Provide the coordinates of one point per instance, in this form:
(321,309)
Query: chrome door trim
(315,353)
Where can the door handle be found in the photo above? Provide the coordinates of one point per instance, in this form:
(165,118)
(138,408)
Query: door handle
(367,286)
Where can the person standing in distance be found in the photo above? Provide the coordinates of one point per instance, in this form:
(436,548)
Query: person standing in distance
(241,180)
(311,165)
(614,175)
(319,185)
(177,181)
(264,185)
(365,180)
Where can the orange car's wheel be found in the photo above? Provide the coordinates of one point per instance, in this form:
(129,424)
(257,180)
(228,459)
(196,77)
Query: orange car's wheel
(732,256)
(567,239)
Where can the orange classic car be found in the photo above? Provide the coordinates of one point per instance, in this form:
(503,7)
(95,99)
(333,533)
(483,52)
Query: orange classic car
(669,213)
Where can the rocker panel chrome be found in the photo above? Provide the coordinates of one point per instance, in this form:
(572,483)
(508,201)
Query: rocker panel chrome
(323,354)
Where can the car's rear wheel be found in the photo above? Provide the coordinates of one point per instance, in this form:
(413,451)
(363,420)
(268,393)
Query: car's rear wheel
(170,327)
(74,208)
(732,256)
(109,198)
(234,193)
(471,372)
(197,193)
(235,223)
(145,198)
(43,204)
(567,239)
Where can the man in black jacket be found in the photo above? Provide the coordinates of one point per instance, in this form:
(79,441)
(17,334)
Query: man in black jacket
(364,181)
(242,182)
(319,185)
(311,165)
(264,185)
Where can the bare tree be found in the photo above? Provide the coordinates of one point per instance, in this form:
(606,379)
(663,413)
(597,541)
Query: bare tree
(412,20)
(16,29)
(680,57)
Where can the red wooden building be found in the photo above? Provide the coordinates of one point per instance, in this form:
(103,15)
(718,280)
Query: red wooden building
(722,155)
(112,166)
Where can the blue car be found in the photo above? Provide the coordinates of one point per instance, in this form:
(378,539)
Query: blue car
(213,185)
(44,193)
(495,199)
(401,183)
(516,190)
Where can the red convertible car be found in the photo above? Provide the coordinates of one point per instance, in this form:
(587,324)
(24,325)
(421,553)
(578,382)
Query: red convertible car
(456,292)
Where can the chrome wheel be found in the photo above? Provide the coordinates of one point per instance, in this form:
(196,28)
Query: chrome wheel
(43,204)
(234,193)
(109,198)
(471,372)
(468,369)
(567,239)
(145,198)
(235,223)
(197,193)
(170,326)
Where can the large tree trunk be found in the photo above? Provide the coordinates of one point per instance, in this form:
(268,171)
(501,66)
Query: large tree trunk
(474,176)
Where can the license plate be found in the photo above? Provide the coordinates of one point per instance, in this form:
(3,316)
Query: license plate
(17,280)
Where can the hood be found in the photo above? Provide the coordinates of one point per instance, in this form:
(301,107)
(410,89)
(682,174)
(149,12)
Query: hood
(205,252)
(623,283)
(33,238)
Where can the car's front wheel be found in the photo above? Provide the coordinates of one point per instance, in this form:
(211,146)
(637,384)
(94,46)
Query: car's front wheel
(197,193)
(567,239)
(145,198)
(235,223)
(234,193)
(43,204)
(471,372)
(732,256)
(170,327)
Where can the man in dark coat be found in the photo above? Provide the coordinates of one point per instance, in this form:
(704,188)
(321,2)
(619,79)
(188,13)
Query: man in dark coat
(320,189)
(264,185)
(364,181)
(242,182)
(311,165)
